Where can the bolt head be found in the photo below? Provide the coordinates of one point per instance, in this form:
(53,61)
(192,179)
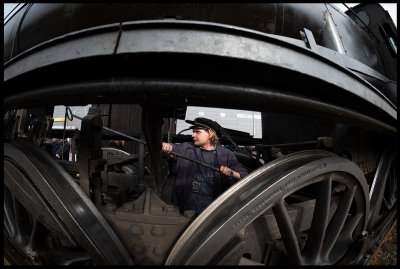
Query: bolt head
(138,249)
(189,213)
(157,231)
(136,230)
(157,251)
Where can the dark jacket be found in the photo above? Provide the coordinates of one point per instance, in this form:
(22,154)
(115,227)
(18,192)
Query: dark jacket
(185,170)
(54,148)
(67,148)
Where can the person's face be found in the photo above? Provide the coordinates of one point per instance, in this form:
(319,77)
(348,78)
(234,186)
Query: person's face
(53,140)
(200,137)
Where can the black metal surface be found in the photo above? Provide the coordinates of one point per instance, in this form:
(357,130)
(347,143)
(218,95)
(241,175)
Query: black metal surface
(119,134)
(178,92)
(47,21)
(324,64)
(327,24)
(152,120)
(119,91)
(75,213)
(90,155)
(376,18)
(266,188)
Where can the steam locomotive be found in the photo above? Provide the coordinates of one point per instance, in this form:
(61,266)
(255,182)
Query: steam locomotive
(322,182)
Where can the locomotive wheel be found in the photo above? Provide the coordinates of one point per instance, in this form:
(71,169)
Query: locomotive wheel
(237,227)
(47,217)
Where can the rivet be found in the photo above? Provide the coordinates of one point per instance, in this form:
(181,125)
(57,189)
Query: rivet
(138,249)
(189,213)
(110,207)
(157,251)
(136,230)
(127,207)
(157,231)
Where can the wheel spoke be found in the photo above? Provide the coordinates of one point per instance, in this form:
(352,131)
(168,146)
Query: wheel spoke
(23,227)
(287,232)
(36,235)
(347,233)
(319,221)
(9,221)
(346,237)
(338,220)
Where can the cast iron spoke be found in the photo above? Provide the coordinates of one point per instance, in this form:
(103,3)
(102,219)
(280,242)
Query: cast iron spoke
(338,220)
(17,219)
(319,221)
(347,233)
(385,202)
(9,221)
(22,223)
(287,232)
(36,235)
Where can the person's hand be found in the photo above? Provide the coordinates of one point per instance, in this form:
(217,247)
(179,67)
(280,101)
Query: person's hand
(228,172)
(166,147)
(57,156)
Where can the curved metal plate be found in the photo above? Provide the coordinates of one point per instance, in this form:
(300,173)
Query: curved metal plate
(203,39)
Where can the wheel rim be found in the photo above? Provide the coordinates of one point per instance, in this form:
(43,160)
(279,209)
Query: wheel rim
(341,205)
(27,241)
(46,200)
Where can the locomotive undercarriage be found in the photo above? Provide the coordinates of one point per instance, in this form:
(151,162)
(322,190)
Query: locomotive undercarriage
(305,191)
(322,188)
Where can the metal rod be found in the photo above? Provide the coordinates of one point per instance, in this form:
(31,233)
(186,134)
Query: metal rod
(125,135)
(203,164)
(118,133)
(195,161)
(291,144)
(65,124)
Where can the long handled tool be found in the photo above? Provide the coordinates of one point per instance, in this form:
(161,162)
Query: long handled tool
(172,152)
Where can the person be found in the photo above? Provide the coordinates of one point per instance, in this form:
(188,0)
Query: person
(55,144)
(196,186)
(118,144)
(59,152)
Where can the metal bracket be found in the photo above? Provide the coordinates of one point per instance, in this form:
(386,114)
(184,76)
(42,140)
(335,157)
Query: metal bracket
(90,155)
(308,38)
